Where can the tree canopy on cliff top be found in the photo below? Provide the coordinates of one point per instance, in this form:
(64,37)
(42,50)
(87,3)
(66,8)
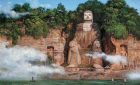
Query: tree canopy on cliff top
(115,18)
(120,20)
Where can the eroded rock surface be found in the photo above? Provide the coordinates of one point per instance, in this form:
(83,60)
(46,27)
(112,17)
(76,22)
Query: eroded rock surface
(129,47)
(55,42)
(4,41)
(74,58)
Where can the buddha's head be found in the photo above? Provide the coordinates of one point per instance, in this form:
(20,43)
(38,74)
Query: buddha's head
(88,16)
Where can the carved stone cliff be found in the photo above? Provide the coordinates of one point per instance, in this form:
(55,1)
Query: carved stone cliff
(55,43)
(87,37)
(129,47)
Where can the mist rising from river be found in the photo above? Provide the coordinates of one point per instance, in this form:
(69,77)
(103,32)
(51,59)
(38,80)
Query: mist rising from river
(23,63)
(110,58)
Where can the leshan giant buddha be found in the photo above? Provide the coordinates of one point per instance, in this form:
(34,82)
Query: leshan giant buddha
(86,38)
(87,33)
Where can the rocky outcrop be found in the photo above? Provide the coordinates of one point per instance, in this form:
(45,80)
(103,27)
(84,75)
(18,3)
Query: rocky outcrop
(29,41)
(129,47)
(55,43)
(4,40)
(120,46)
(87,38)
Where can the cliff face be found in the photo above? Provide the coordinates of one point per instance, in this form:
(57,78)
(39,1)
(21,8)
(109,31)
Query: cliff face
(52,45)
(59,45)
(55,43)
(108,46)
(29,41)
(129,47)
(5,39)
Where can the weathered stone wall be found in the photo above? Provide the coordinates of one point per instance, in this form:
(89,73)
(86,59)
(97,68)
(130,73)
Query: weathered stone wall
(107,45)
(129,47)
(56,41)
(133,51)
(5,39)
(29,41)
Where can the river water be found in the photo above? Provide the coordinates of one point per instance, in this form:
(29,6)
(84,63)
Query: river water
(71,82)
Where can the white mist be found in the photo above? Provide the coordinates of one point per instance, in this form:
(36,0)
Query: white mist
(110,58)
(16,64)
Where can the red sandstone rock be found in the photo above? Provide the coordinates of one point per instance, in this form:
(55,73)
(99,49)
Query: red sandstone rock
(74,58)
(87,35)
(116,67)
(56,41)
(86,61)
(129,47)
(98,61)
(5,39)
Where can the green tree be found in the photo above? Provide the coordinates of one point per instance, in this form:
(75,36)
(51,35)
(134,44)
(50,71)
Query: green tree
(111,21)
(116,12)
(22,8)
(36,27)
(17,8)
(12,31)
(95,6)
(40,12)
(26,7)
(61,15)
(57,17)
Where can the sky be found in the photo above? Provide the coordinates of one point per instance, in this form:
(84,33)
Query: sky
(69,4)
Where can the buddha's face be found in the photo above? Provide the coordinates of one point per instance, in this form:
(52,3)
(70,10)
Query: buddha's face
(88,16)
